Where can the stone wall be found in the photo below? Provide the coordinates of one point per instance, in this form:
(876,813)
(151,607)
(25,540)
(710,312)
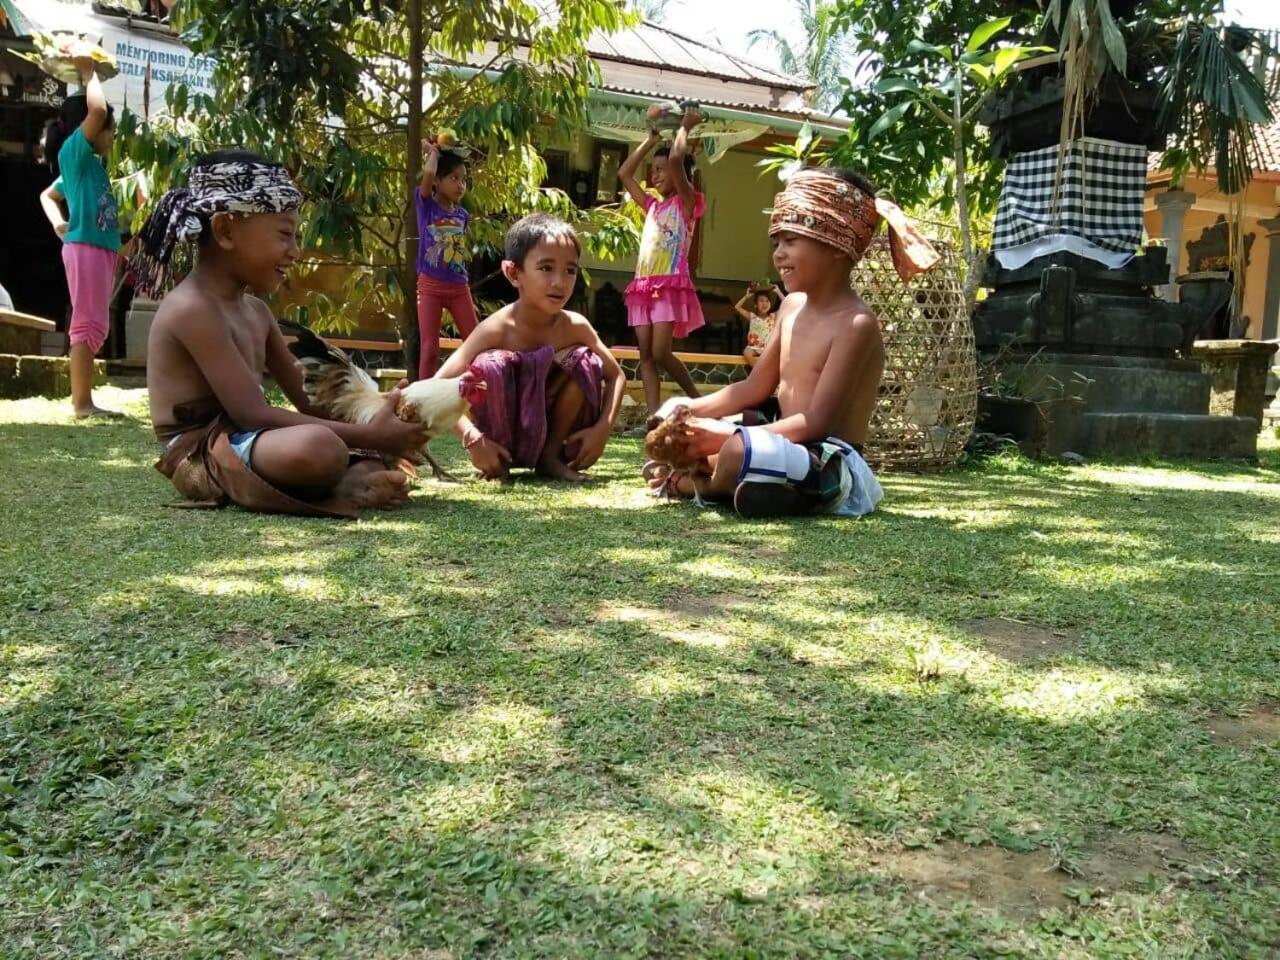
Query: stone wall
(1237,372)
(26,376)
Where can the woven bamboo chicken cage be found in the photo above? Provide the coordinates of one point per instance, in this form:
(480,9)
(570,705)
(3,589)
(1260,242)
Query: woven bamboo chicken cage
(929,395)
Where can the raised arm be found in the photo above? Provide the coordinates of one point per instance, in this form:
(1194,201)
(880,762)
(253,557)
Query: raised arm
(741,306)
(51,200)
(627,172)
(96,118)
(430,165)
(675,162)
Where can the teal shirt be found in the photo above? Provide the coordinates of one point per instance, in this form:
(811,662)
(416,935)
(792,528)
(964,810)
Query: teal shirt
(94,219)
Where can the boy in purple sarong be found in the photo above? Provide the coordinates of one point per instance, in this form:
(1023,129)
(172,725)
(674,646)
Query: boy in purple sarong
(554,388)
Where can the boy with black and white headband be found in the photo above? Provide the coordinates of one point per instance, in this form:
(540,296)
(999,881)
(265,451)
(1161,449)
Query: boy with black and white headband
(213,339)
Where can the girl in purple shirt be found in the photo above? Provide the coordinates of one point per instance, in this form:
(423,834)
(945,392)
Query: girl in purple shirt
(442,254)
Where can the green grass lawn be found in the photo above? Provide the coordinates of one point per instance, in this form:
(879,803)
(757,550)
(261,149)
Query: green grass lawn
(1025,710)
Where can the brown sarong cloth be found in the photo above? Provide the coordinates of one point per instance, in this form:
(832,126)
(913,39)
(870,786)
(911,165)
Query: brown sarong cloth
(209,474)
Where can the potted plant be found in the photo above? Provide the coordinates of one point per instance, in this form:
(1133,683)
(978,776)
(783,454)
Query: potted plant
(1004,409)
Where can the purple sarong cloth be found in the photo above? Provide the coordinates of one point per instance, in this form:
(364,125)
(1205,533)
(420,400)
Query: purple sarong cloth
(516,407)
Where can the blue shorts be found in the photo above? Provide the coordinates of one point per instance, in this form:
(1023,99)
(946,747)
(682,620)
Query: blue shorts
(241,442)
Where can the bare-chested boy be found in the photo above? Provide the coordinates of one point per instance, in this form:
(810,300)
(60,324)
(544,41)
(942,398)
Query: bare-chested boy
(553,387)
(212,340)
(825,360)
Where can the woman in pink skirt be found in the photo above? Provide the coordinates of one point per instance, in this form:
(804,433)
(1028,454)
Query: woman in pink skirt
(662,304)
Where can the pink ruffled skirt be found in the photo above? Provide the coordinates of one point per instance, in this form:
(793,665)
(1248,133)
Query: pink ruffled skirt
(669,299)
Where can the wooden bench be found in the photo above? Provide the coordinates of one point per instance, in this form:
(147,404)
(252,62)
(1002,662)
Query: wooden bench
(20,332)
(354,343)
(631,353)
(448,344)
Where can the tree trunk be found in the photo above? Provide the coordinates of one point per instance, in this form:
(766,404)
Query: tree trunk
(962,199)
(413,170)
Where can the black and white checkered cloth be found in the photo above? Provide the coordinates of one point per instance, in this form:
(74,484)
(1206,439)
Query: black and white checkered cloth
(1103,183)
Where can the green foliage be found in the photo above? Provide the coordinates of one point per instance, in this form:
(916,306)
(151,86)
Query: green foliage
(329,99)
(654,11)
(787,159)
(945,86)
(1213,103)
(913,153)
(1216,83)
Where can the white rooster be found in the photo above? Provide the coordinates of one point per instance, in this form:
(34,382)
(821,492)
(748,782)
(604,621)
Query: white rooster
(335,384)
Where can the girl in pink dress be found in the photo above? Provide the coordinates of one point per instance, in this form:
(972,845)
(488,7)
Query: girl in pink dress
(662,304)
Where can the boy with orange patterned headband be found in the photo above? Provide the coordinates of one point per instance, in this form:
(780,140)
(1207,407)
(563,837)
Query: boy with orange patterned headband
(825,360)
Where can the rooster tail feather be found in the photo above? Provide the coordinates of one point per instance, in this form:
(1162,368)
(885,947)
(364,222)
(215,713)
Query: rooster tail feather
(331,380)
(308,346)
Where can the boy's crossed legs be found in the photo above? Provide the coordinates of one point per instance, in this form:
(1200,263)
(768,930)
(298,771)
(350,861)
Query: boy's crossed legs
(765,475)
(313,462)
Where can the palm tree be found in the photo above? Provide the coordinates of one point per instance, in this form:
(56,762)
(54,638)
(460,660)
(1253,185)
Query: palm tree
(652,10)
(821,59)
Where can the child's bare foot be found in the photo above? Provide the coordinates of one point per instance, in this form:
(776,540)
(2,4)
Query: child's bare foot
(558,470)
(98,413)
(369,484)
(671,483)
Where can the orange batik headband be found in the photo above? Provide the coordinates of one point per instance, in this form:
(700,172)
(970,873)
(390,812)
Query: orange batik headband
(823,206)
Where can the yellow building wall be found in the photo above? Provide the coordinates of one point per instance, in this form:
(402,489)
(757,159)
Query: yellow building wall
(1261,201)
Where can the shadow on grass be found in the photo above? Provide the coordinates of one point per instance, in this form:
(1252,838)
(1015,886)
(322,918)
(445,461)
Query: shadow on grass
(529,721)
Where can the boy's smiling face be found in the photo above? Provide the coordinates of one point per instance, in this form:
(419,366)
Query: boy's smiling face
(261,247)
(546,279)
(803,262)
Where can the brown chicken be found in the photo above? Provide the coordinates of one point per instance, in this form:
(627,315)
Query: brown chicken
(666,443)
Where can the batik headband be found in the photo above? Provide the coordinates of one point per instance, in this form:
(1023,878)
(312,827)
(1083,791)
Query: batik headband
(824,207)
(234,186)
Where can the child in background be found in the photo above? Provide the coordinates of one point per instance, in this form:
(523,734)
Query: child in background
(75,144)
(213,339)
(662,304)
(761,319)
(553,389)
(442,253)
(825,361)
